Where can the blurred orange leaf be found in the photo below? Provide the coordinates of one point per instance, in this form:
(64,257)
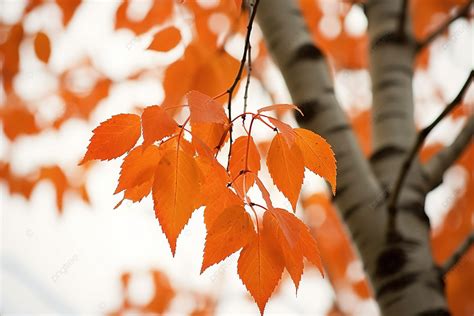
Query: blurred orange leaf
(42,47)
(165,39)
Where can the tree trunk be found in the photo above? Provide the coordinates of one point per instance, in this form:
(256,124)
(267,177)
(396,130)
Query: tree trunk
(399,263)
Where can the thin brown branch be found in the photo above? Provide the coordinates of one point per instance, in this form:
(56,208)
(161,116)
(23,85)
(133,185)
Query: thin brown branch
(231,90)
(247,84)
(437,165)
(392,206)
(458,254)
(403,18)
(462,12)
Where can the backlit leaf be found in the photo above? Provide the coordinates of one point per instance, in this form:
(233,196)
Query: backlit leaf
(244,157)
(230,231)
(113,138)
(285,130)
(285,234)
(260,267)
(204,109)
(137,193)
(138,167)
(215,193)
(211,134)
(318,155)
(176,192)
(279,107)
(286,167)
(294,241)
(157,124)
(265,193)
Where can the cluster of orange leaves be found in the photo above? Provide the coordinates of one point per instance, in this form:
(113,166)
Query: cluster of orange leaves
(179,166)
(163,296)
(207,67)
(25,184)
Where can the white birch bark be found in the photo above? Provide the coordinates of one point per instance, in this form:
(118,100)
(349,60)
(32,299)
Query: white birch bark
(400,266)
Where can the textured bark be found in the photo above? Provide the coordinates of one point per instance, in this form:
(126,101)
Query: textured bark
(391,71)
(399,263)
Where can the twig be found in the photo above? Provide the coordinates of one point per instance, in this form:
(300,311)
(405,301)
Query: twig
(463,12)
(392,205)
(403,18)
(230,91)
(247,84)
(458,254)
(436,166)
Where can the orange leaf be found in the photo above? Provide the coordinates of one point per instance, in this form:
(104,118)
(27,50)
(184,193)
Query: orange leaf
(222,198)
(216,177)
(137,193)
(157,124)
(318,155)
(285,233)
(113,138)
(166,39)
(138,167)
(310,247)
(172,144)
(238,4)
(260,267)
(279,107)
(265,193)
(42,47)
(294,241)
(211,134)
(244,157)
(204,109)
(17,120)
(286,167)
(217,196)
(176,192)
(229,232)
(202,148)
(286,130)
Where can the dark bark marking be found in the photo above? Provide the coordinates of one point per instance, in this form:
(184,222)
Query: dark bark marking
(306,52)
(397,284)
(384,152)
(390,261)
(435,312)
